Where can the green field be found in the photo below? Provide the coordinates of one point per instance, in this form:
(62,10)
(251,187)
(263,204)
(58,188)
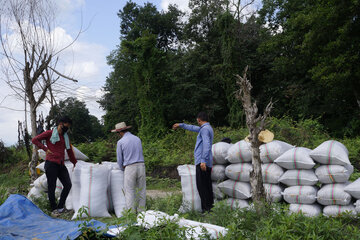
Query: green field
(273,222)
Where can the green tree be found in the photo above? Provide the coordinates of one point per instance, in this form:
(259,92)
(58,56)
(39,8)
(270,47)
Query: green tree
(85,127)
(314,72)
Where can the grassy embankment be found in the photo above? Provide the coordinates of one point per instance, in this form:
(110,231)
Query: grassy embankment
(163,155)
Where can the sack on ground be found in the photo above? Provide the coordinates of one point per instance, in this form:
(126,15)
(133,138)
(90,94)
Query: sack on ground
(34,193)
(273,192)
(219,152)
(296,158)
(237,203)
(235,189)
(336,210)
(334,173)
(41,183)
(271,173)
(218,194)
(309,210)
(269,152)
(239,152)
(191,197)
(218,173)
(94,182)
(353,189)
(299,178)
(331,153)
(300,194)
(117,191)
(357,206)
(333,194)
(239,171)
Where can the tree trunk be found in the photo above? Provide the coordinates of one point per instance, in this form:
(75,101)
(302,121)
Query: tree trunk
(34,157)
(256,180)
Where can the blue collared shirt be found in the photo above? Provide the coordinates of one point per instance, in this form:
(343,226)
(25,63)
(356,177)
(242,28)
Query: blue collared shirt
(204,141)
(129,150)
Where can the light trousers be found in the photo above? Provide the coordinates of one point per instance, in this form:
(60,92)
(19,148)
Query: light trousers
(135,186)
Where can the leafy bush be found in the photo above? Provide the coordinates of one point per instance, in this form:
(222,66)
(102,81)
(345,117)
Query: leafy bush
(99,151)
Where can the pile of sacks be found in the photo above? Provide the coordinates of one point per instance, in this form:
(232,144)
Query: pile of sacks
(311,181)
(88,191)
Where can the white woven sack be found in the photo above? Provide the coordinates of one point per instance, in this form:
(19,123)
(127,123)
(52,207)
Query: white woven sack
(218,194)
(111,165)
(78,154)
(41,166)
(334,173)
(219,152)
(300,194)
(117,191)
(331,153)
(237,203)
(354,188)
(196,229)
(76,187)
(271,173)
(333,194)
(41,183)
(273,192)
(235,189)
(296,158)
(357,206)
(239,171)
(299,178)
(34,193)
(336,210)
(239,152)
(191,197)
(309,210)
(218,173)
(269,152)
(94,182)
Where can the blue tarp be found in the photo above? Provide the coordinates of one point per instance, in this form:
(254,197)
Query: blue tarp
(21,219)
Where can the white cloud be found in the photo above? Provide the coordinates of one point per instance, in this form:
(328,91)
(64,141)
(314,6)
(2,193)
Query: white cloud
(84,61)
(182,4)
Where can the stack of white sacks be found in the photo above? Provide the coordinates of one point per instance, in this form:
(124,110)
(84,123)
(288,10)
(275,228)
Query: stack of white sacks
(237,187)
(88,191)
(333,173)
(327,167)
(301,180)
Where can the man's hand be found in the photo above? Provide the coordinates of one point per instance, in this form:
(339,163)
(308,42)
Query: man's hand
(48,152)
(203,166)
(176,126)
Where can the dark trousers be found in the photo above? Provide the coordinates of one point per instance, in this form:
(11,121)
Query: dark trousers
(204,186)
(54,171)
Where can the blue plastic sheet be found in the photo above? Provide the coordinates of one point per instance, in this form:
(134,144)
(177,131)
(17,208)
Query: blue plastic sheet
(21,219)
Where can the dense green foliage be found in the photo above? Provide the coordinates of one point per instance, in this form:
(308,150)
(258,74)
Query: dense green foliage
(85,127)
(303,54)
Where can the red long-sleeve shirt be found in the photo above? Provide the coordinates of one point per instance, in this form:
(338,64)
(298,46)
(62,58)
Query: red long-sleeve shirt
(57,149)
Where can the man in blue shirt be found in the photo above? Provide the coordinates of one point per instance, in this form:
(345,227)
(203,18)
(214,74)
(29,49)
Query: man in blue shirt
(130,159)
(203,158)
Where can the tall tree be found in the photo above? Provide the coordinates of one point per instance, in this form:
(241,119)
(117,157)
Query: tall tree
(31,56)
(85,127)
(315,44)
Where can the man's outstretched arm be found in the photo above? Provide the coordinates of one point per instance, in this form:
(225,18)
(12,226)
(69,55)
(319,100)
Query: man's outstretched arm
(188,127)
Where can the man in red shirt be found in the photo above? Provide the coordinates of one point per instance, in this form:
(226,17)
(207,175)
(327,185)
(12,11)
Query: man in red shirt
(57,141)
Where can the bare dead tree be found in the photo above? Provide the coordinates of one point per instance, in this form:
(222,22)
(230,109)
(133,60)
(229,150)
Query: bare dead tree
(240,9)
(31,52)
(256,123)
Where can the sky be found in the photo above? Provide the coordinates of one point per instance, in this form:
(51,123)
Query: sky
(85,60)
